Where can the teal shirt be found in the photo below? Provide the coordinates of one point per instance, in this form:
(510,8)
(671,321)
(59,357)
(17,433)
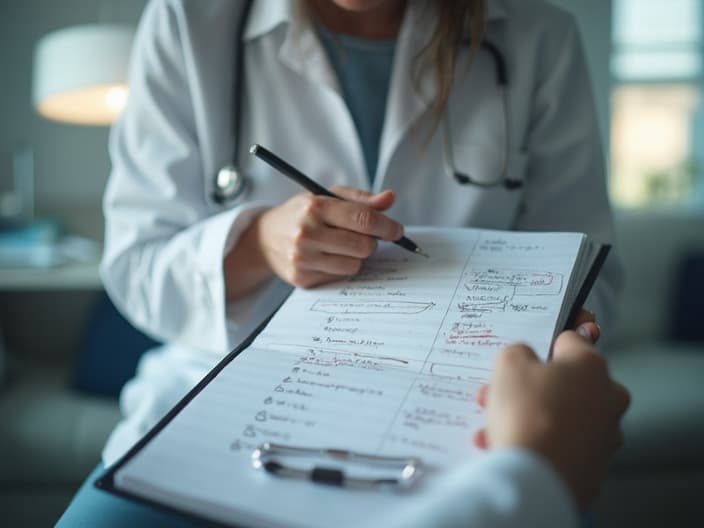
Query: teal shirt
(363,68)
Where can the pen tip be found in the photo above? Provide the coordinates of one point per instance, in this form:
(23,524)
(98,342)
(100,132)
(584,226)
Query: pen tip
(421,252)
(253,148)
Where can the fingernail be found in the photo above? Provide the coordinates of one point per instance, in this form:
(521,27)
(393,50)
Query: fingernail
(584,332)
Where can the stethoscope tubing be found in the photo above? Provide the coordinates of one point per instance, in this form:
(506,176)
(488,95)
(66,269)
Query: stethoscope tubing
(230,183)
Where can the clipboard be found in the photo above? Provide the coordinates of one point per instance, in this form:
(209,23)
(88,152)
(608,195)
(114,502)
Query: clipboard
(107,480)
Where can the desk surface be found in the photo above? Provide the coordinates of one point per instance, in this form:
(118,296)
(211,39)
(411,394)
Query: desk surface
(70,276)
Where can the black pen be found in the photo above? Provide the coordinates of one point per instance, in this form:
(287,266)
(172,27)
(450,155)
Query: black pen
(308,184)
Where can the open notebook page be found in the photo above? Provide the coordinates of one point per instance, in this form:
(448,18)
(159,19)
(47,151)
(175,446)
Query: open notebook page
(387,362)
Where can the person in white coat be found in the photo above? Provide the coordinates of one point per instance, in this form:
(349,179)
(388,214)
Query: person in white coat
(200,269)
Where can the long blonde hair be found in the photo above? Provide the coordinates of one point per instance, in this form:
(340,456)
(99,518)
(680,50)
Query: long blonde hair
(454,18)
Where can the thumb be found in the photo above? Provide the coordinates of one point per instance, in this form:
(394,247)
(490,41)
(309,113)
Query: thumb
(379,201)
(517,353)
(570,345)
(512,360)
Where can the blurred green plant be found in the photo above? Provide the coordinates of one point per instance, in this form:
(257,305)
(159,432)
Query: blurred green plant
(675,184)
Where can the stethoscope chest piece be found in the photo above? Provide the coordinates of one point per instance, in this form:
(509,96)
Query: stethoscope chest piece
(230,184)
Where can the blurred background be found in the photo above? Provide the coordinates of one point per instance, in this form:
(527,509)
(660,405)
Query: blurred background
(60,374)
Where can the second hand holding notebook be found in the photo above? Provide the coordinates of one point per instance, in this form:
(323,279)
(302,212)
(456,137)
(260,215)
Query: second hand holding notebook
(385,363)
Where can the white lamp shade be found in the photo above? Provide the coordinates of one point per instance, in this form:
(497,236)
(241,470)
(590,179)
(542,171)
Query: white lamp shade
(80,73)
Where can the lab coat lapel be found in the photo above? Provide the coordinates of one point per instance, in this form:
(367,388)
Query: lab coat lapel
(302,52)
(409,96)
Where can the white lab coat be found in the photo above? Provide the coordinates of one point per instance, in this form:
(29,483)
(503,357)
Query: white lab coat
(166,238)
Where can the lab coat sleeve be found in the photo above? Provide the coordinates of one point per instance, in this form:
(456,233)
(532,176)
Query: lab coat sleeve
(504,488)
(565,183)
(165,242)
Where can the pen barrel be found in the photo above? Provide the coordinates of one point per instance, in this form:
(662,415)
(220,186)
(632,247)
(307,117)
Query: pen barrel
(290,171)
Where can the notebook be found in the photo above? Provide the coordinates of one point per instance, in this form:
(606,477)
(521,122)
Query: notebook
(385,363)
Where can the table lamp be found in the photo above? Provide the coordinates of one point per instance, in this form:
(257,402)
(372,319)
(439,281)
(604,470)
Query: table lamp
(80,73)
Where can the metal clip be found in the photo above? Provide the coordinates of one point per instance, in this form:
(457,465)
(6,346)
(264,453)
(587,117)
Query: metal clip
(402,471)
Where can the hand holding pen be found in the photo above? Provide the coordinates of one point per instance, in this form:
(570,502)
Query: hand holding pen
(316,238)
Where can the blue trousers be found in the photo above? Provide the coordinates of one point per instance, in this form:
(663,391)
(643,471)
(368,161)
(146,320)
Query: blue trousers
(92,507)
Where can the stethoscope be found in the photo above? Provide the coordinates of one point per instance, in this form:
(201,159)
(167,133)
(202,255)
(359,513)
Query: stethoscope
(450,166)
(230,183)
